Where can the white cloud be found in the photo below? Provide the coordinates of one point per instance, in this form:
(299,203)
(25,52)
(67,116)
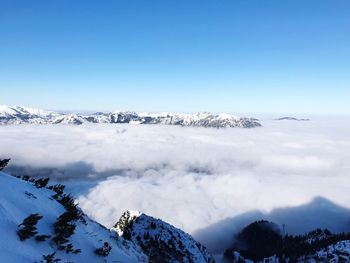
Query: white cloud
(190,177)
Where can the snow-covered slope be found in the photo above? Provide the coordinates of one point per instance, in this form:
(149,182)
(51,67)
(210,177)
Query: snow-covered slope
(19,199)
(339,252)
(160,241)
(135,238)
(18,115)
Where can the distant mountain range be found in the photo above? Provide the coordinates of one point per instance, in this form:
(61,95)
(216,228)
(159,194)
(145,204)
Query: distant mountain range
(291,119)
(21,115)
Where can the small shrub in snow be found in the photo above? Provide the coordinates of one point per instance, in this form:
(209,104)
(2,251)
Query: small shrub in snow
(50,258)
(41,182)
(72,208)
(58,188)
(42,238)
(70,249)
(27,228)
(68,202)
(104,250)
(64,228)
(30,195)
(26,178)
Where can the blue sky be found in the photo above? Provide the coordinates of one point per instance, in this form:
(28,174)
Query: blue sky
(179,55)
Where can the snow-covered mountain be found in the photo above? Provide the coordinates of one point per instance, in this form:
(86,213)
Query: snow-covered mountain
(20,199)
(160,241)
(40,223)
(19,115)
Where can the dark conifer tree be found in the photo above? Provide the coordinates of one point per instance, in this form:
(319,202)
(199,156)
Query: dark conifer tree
(64,228)
(58,188)
(42,238)
(27,228)
(41,182)
(104,250)
(3,163)
(50,258)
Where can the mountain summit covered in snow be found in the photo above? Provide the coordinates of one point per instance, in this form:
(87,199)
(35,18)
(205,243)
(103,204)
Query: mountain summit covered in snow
(20,115)
(161,241)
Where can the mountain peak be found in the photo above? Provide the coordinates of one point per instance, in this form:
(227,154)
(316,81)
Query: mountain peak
(160,241)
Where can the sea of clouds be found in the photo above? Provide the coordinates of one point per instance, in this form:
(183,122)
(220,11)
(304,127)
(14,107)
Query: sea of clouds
(190,177)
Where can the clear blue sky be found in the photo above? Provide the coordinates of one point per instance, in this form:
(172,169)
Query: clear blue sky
(178,55)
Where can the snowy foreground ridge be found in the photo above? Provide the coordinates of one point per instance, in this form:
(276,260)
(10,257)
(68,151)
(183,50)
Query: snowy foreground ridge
(19,199)
(148,239)
(19,115)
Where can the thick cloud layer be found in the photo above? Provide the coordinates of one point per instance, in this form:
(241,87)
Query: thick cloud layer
(190,177)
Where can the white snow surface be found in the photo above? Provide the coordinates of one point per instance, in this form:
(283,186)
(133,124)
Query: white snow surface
(19,199)
(338,252)
(6,110)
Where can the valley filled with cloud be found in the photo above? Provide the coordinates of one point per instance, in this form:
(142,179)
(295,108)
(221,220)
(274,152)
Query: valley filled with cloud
(192,178)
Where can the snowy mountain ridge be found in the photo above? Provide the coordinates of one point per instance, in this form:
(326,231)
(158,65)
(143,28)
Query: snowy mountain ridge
(47,225)
(161,241)
(20,199)
(20,115)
